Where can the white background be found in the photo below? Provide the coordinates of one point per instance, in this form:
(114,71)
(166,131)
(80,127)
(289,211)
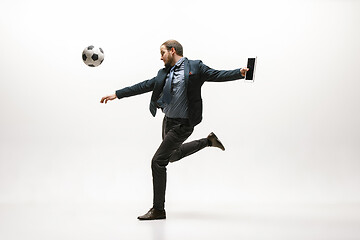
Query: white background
(293,136)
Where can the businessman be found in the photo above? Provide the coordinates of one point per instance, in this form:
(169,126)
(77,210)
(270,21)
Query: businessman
(176,90)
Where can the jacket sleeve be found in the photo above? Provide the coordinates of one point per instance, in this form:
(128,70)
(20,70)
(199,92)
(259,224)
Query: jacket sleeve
(212,75)
(139,88)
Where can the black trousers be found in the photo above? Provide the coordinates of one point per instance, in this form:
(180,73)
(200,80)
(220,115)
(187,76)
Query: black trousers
(174,133)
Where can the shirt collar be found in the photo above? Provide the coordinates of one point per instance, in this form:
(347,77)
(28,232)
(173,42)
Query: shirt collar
(178,64)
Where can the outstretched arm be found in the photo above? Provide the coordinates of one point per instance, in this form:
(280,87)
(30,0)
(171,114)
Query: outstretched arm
(140,88)
(213,75)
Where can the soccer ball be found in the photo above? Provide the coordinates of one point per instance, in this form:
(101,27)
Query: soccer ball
(93,56)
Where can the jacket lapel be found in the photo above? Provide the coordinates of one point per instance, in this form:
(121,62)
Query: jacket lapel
(158,87)
(186,71)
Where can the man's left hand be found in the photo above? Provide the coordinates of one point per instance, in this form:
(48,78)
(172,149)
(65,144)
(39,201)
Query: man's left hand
(243,71)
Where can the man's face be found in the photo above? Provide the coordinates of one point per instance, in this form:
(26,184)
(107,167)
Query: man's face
(166,56)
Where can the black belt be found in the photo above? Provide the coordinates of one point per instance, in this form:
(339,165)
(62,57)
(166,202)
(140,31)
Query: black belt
(179,120)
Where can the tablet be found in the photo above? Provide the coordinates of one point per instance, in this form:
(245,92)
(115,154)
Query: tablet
(251,65)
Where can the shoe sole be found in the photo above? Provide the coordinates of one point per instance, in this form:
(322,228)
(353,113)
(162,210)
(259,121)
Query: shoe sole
(149,219)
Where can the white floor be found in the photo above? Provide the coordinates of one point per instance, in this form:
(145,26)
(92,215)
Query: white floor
(112,221)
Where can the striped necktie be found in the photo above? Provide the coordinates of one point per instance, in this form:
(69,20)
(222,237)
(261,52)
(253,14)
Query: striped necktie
(167,88)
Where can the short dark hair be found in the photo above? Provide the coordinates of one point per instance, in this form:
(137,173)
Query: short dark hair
(169,44)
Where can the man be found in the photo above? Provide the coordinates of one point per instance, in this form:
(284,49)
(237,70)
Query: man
(177,91)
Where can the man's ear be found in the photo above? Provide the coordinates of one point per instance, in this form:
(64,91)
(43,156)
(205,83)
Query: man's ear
(172,50)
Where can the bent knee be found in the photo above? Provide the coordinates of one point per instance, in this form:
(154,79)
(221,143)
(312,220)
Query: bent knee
(159,163)
(175,156)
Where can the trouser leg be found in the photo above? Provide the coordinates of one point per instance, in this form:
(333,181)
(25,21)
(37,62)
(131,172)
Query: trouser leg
(189,148)
(174,134)
(185,149)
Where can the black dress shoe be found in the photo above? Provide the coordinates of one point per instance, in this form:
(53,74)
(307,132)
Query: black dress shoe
(214,141)
(153,214)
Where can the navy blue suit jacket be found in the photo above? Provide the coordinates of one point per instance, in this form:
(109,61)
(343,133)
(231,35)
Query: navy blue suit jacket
(196,73)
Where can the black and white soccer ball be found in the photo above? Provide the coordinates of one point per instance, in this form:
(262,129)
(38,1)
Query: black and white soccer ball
(93,56)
